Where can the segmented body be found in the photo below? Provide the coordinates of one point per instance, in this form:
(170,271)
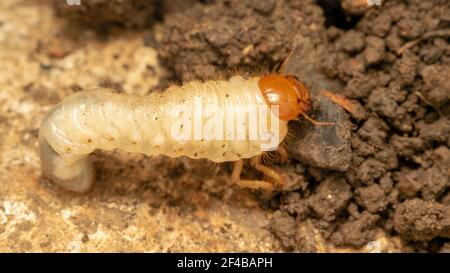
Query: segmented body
(102,119)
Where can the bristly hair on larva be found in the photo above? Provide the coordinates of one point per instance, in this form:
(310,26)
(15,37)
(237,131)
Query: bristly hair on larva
(242,71)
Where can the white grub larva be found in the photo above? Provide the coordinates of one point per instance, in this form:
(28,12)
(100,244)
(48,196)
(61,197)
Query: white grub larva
(102,119)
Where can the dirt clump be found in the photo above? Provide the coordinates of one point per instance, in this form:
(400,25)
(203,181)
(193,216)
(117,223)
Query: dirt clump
(356,232)
(292,236)
(436,85)
(331,198)
(283,227)
(419,220)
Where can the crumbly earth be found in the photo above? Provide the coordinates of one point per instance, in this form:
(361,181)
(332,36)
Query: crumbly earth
(378,181)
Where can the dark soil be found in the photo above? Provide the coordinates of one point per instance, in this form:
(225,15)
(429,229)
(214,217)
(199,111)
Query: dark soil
(395,175)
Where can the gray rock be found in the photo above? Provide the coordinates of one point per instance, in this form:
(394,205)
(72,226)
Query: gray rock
(318,145)
(323,146)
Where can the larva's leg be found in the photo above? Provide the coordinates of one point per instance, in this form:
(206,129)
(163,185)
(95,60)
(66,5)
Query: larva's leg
(78,176)
(274,175)
(252,184)
(283,154)
(317,123)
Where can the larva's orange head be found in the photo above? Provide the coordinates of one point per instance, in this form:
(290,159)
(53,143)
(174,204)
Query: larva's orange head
(287,92)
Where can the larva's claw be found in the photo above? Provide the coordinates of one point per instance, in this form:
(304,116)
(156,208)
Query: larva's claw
(78,176)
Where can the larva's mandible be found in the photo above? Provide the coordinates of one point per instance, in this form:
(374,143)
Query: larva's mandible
(102,119)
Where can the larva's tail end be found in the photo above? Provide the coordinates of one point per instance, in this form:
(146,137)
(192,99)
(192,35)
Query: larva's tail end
(77,177)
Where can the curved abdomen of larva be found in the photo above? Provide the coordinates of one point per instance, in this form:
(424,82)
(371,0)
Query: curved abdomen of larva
(153,124)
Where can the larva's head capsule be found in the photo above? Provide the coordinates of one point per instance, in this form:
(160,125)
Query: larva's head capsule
(287,92)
